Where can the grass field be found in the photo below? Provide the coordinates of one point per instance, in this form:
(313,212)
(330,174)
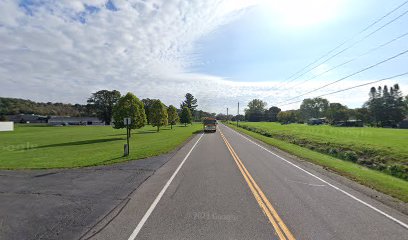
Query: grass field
(382,182)
(378,148)
(37,147)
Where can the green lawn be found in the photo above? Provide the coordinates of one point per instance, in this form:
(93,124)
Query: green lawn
(382,182)
(36,147)
(377,148)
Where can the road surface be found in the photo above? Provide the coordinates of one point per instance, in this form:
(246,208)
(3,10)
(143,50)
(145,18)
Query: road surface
(224,185)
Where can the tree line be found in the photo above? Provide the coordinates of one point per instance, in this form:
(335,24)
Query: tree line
(386,107)
(111,106)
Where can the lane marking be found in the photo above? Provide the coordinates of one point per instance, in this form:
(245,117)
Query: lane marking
(308,184)
(279,226)
(160,195)
(324,181)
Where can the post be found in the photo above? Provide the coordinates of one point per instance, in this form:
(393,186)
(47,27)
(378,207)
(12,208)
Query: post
(227,115)
(238,114)
(126,148)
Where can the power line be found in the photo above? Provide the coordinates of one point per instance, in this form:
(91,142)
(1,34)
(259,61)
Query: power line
(352,45)
(343,43)
(346,89)
(350,75)
(353,59)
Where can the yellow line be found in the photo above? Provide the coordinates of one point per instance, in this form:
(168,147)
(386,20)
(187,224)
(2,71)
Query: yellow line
(263,202)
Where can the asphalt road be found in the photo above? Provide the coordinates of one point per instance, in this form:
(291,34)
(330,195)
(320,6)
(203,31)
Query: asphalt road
(219,185)
(66,203)
(227,186)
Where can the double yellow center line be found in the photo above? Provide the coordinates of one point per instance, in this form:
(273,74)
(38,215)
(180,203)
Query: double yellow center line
(279,226)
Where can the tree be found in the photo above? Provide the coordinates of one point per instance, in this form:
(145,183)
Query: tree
(255,110)
(103,102)
(313,108)
(337,112)
(2,118)
(185,116)
(406,105)
(221,116)
(147,105)
(158,114)
(271,115)
(240,118)
(386,107)
(190,102)
(173,116)
(290,116)
(129,106)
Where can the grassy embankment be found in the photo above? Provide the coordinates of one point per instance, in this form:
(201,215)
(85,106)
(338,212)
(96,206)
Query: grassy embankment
(327,146)
(39,147)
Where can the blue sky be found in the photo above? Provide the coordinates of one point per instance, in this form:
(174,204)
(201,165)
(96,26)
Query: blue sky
(222,51)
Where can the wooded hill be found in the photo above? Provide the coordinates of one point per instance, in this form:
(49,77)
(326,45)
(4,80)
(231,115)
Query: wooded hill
(11,106)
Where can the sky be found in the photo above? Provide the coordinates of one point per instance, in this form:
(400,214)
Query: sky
(221,51)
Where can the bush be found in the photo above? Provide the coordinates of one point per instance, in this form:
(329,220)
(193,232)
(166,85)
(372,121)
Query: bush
(350,156)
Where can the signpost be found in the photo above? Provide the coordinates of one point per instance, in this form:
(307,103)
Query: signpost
(127,122)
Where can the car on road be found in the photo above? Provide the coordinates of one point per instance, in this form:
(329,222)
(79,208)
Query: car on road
(210,125)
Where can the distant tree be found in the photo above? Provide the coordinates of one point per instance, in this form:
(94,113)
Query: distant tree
(240,118)
(313,108)
(173,116)
(158,114)
(406,105)
(360,114)
(190,102)
(290,116)
(201,115)
(271,115)
(103,102)
(386,107)
(147,105)
(255,111)
(337,112)
(2,118)
(221,117)
(185,116)
(129,106)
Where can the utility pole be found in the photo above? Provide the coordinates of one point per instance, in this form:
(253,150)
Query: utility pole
(238,114)
(227,115)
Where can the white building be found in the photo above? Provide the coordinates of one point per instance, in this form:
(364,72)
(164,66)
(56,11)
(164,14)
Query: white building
(6,126)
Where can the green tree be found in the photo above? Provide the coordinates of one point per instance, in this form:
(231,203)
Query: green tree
(158,114)
(290,116)
(190,102)
(255,111)
(147,105)
(313,108)
(271,115)
(386,107)
(103,102)
(337,112)
(185,116)
(406,105)
(173,116)
(129,106)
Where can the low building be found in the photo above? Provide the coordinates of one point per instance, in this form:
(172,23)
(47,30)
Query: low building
(349,123)
(6,126)
(27,118)
(72,121)
(316,121)
(403,124)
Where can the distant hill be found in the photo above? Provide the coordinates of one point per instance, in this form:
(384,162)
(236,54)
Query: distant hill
(11,106)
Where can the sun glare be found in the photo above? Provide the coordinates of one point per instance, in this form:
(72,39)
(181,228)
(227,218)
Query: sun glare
(304,12)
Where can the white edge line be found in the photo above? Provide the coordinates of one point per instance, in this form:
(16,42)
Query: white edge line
(331,185)
(160,195)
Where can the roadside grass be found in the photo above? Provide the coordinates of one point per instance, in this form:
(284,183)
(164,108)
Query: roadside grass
(376,148)
(34,147)
(379,181)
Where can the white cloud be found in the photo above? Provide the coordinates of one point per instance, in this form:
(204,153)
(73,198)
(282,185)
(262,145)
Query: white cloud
(64,50)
